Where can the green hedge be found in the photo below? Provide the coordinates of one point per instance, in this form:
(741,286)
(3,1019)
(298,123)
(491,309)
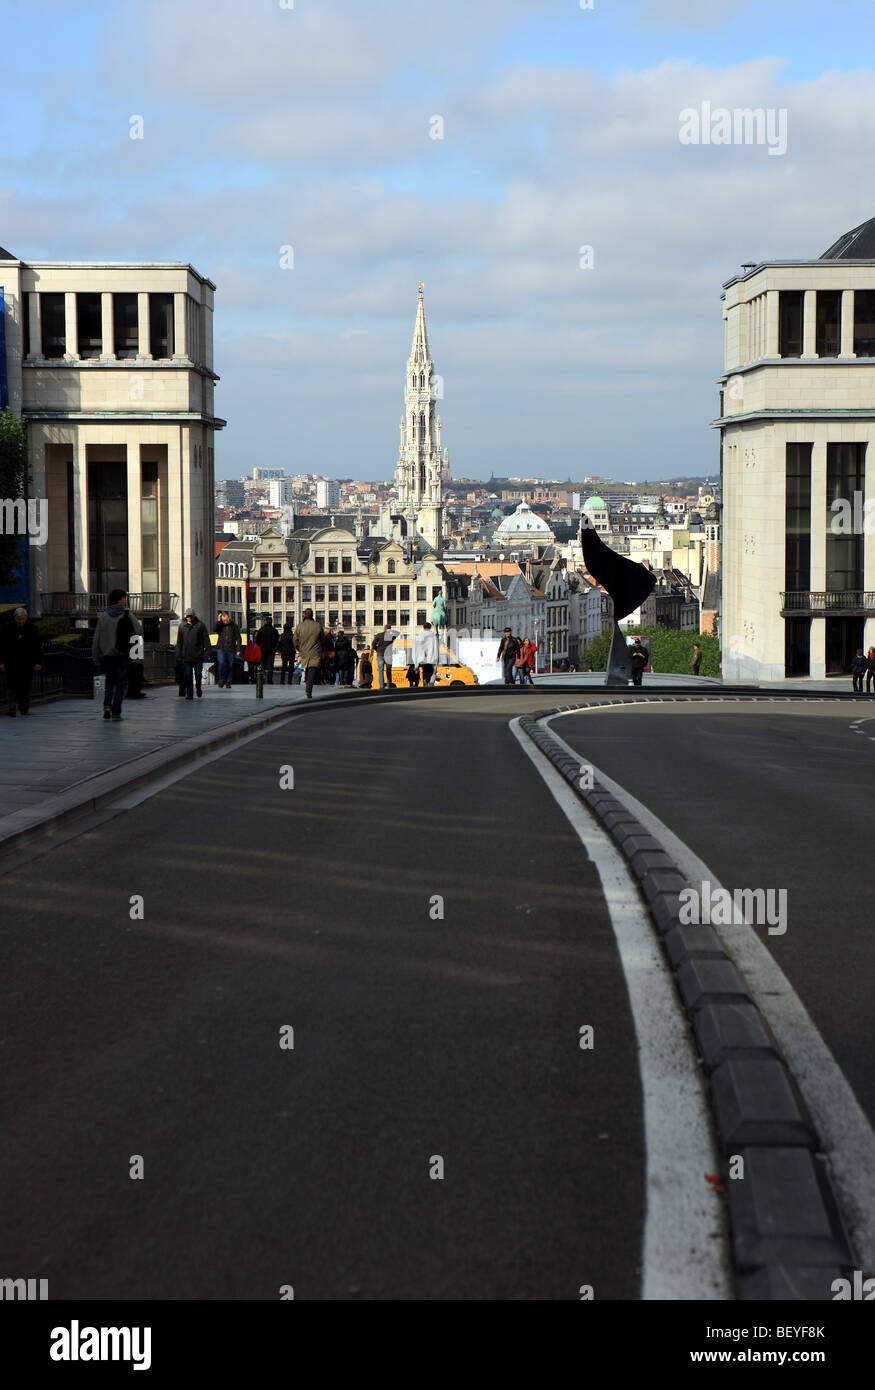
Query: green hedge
(670,651)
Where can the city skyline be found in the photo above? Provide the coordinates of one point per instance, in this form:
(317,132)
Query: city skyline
(572,242)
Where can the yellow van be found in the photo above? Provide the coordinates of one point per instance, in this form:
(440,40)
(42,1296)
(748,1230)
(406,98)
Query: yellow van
(449,670)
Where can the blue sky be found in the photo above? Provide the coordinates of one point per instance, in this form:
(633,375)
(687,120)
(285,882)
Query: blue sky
(309,127)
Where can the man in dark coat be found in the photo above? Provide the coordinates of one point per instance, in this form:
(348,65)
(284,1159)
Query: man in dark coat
(344,657)
(287,653)
(228,645)
(508,651)
(268,639)
(192,649)
(638,658)
(20,655)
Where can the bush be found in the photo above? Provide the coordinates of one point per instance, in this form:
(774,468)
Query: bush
(51,629)
(671,651)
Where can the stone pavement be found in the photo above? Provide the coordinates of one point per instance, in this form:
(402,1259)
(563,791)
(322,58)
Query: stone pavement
(64,743)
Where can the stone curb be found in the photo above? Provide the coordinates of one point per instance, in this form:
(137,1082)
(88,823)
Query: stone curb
(787,1236)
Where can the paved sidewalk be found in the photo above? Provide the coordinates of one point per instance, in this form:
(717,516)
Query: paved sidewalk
(64,743)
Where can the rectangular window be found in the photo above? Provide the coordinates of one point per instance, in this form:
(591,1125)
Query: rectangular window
(265,594)
(54,325)
(405,617)
(360,617)
(404,594)
(320,593)
(829,323)
(277,619)
(346,565)
(333,617)
(290,593)
(332,564)
(346,617)
(263,569)
(864,323)
(332,593)
(845,468)
(420,616)
(107,524)
(25,324)
(276,568)
(391,617)
(149,514)
(378,618)
(125,325)
(277,593)
(797,545)
(319,565)
(790,304)
(89,325)
(347,593)
(437,590)
(161,325)
(360,593)
(306,593)
(320,617)
(421,594)
(378,593)
(391,592)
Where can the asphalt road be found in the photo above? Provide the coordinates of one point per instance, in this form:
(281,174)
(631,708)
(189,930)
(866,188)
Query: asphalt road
(771,795)
(413,1037)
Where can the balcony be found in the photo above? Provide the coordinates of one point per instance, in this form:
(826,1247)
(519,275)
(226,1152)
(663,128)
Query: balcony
(848,603)
(81,605)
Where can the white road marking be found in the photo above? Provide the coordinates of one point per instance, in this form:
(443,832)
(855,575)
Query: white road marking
(846,1132)
(685,1250)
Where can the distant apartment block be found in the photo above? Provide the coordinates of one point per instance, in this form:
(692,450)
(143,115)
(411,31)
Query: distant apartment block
(797,427)
(111,367)
(327,494)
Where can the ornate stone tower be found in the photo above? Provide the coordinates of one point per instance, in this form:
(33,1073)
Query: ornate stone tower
(419,470)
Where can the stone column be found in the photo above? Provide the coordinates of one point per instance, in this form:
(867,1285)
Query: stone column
(71,346)
(135,519)
(107,346)
(847,344)
(180,325)
(80,517)
(771,345)
(144,343)
(35,320)
(809,324)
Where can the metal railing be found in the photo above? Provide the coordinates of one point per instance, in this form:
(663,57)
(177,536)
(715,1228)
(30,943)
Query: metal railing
(817,603)
(91,605)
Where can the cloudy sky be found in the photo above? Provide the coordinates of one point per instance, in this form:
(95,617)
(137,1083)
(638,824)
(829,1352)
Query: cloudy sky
(310,124)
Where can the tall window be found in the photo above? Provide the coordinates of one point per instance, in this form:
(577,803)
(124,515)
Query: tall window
(829,323)
(54,325)
(845,465)
(89,325)
(161,325)
(346,564)
(125,324)
(790,304)
(149,512)
(107,525)
(332,564)
(864,323)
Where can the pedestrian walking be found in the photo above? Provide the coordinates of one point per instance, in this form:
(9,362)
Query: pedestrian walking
(287,653)
(508,651)
(192,649)
(859,666)
(697,658)
(308,637)
(527,664)
(638,658)
(344,658)
(870,668)
(383,652)
(268,639)
(328,656)
(21,652)
(111,650)
(229,644)
(426,651)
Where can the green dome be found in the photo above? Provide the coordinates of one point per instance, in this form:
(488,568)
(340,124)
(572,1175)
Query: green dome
(595,504)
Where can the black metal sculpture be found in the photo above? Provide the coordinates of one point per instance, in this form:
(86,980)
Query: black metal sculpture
(628,583)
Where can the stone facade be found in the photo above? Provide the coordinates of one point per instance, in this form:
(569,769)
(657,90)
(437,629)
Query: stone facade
(111,367)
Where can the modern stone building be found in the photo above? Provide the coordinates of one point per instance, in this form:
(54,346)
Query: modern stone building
(111,367)
(797,423)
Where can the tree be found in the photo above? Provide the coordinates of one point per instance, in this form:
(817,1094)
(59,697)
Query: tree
(13,479)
